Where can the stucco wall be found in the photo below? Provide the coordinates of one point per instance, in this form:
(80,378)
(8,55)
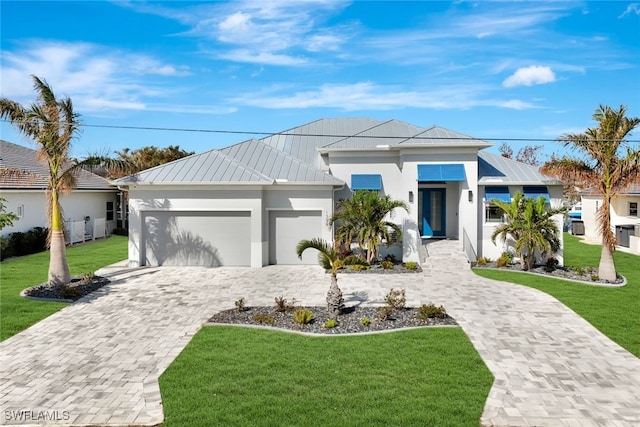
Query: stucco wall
(254,199)
(619,216)
(399,171)
(76,207)
(493,251)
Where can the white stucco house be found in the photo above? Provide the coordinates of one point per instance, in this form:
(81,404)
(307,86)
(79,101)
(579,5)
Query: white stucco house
(249,204)
(625,221)
(89,211)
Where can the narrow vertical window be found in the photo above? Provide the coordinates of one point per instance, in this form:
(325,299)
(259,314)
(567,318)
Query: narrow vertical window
(109,211)
(633,208)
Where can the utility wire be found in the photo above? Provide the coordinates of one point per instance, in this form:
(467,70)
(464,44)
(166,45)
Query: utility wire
(289,133)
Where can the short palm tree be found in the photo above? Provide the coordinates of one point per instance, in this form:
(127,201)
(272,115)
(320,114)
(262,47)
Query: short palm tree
(52,124)
(363,218)
(531,226)
(329,259)
(609,165)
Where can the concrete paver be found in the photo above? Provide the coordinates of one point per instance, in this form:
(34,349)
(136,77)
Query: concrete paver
(97,362)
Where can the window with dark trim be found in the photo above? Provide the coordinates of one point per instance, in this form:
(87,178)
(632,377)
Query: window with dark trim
(109,211)
(633,208)
(493,213)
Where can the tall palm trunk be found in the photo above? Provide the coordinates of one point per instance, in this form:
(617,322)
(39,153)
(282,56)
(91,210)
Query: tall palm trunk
(606,268)
(59,273)
(335,302)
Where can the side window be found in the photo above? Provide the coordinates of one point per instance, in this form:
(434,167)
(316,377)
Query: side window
(109,211)
(633,208)
(493,213)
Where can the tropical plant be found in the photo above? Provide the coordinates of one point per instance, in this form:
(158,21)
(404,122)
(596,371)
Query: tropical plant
(148,157)
(608,164)
(6,218)
(52,124)
(531,226)
(363,218)
(329,258)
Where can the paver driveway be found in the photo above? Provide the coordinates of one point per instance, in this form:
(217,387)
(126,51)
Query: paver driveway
(98,361)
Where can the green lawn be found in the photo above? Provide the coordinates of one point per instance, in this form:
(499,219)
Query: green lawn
(240,376)
(17,313)
(614,311)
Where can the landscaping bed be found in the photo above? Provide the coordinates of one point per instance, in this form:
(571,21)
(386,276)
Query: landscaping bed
(351,321)
(78,287)
(581,274)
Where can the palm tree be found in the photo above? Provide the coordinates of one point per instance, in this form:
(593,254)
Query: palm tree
(52,124)
(329,259)
(609,165)
(362,218)
(531,226)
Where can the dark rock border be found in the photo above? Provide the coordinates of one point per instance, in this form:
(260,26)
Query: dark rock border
(561,272)
(71,292)
(350,322)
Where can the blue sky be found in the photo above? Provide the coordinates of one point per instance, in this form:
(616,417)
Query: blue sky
(494,70)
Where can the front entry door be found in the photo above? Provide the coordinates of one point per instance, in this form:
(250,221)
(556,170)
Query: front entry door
(433,212)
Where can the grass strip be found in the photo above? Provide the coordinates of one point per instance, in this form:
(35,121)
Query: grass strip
(16,274)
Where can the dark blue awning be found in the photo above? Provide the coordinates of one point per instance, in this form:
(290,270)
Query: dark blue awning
(498,193)
(447,172)
(366,182)
(535,191)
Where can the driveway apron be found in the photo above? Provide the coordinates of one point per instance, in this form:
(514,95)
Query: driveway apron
(97,361)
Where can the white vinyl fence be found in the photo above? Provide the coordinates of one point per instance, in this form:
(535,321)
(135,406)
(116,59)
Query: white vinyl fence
(78,231)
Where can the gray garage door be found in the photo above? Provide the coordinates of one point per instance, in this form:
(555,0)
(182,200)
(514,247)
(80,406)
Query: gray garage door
(286,229)
(209,239)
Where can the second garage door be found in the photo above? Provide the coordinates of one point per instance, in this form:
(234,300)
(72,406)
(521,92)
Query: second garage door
(286,229)
(197,238)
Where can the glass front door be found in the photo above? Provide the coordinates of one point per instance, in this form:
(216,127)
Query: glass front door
(433,212)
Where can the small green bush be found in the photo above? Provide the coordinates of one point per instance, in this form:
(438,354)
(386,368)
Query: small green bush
(427,311)
(551,264)
(386,264)
(502,261)
(119,231)
(411,265)
(595,278)
(264,318)
(396,299)
(483,260)
(581,271)
(240,304)
(331,323)
(283,305)
(358,267)
(70,291)
(302,316)
(365,321)
(88,277)
(508,255)
(385,313)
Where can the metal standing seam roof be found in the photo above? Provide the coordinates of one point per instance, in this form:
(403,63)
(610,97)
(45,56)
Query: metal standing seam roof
(276,164)
(209,167)
(631,190)
(493,168)
(303,142)
(13,156)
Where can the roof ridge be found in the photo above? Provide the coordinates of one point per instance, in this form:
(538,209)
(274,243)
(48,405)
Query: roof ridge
(358,133)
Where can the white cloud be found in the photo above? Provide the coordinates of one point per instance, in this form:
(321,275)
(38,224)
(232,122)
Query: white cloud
(631,9)
(528,76)
(268,32)
(95,78)
(370,96)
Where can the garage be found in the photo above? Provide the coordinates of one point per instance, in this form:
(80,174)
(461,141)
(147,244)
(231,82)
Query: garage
(286,229)
(211,239)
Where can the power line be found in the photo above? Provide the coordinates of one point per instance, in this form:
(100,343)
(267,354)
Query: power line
(288,133)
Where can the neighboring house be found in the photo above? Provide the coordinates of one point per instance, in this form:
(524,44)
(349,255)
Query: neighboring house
(249,204)
(624,217)
(89,211)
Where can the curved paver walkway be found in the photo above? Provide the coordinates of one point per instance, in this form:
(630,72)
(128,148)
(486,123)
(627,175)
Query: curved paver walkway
(97,361)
